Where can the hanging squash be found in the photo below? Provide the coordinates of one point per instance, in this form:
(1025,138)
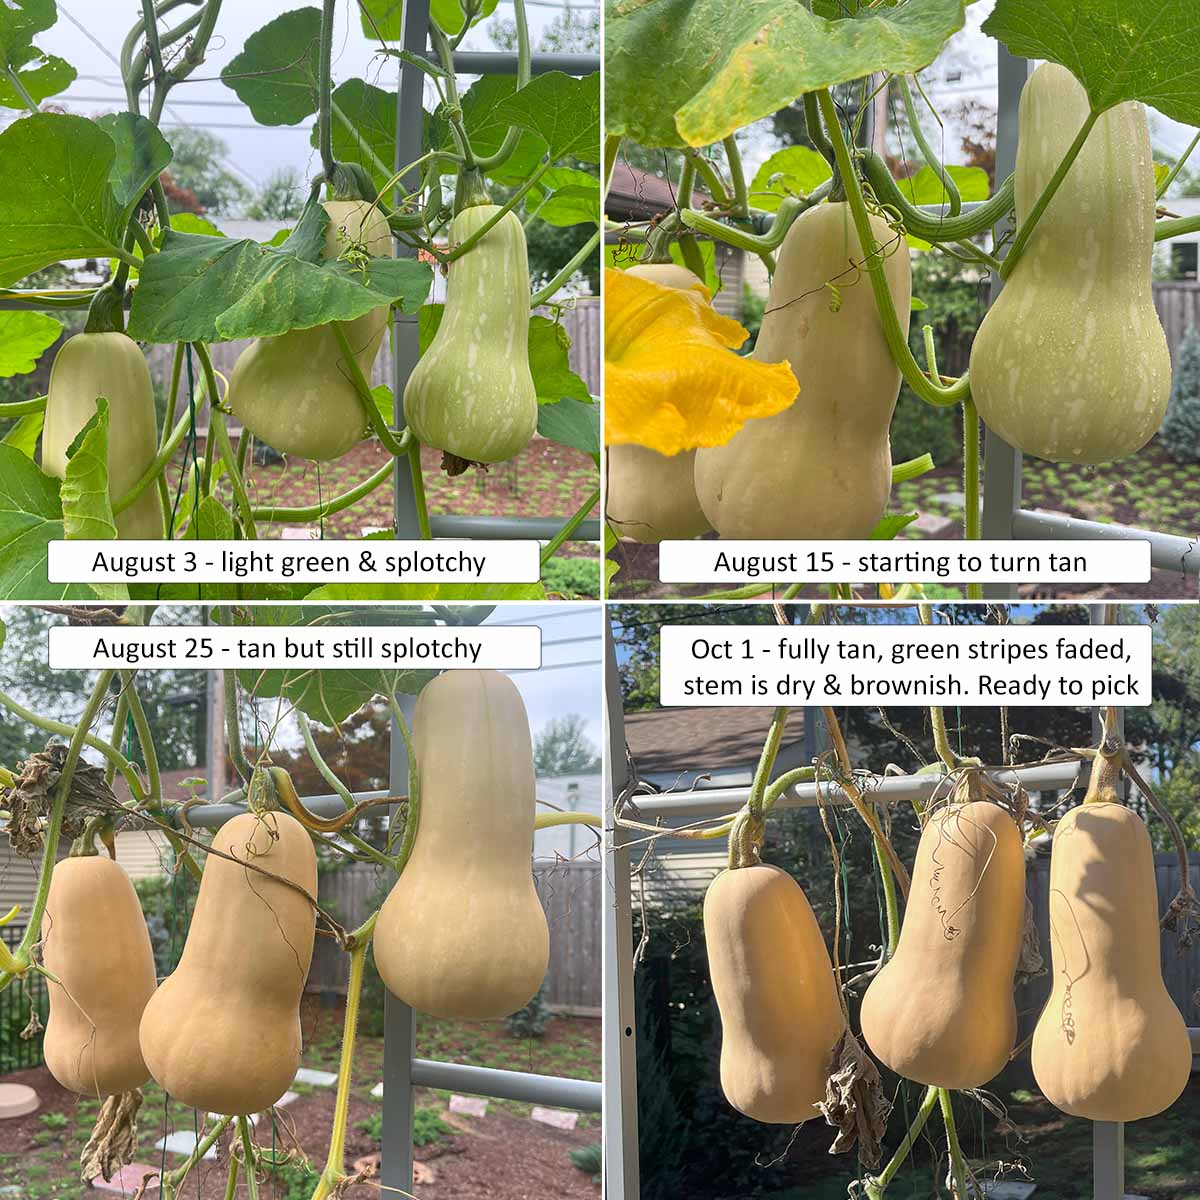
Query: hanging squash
(781,1014)
(942,1011)
(652,496)
(463,933)
(293,391)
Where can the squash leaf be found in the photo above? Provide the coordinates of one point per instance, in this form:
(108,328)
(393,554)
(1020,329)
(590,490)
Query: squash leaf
(721,64)
(31,517)
(565,196)
(926,188)
(385,18)
(276,74)
(25,432)
(142,154)
(23,338)
(563,111)
(572,423)
(363,127)
(39,74)
(486,128)
(206,289)
(622,257)
(890,525)
(799,170)
(56,202)
(1118,51)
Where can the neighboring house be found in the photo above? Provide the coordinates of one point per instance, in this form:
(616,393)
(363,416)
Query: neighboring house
(635,196)
(1183,252)
(575,793)
(680,748)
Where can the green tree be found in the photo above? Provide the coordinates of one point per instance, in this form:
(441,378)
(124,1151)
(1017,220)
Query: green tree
(280,198)
(198,165)
(1180,431)
(563,748)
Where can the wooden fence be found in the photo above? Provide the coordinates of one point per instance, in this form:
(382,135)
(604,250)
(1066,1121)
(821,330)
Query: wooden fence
(1178,306)
(570,895)
(1181,972)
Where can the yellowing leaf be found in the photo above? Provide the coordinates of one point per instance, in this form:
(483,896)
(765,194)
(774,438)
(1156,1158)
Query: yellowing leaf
(672,381)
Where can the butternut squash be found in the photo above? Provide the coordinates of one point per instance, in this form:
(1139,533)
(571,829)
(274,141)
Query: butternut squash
(822,468)
(941,1011)
(652,496)
(293,391)
(462,933)
(1071,363)
(781,1016)
(471,393)
(1110,1044)
(111,365)
(95,942)
(222,1033)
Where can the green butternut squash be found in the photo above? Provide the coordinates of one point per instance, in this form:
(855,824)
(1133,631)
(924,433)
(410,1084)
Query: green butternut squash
(1110,1044)
(822,468)
(781,1016)
(1071,363)
(941,1011)
(462,933)
(222,1033)
(96,945)
(88,366)
(471,394)
(293,391)
(652,496)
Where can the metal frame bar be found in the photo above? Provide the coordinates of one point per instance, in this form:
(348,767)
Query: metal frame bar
(1003,518)
(621,1179)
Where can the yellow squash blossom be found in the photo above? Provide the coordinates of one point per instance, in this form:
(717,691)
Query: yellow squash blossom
(672,381)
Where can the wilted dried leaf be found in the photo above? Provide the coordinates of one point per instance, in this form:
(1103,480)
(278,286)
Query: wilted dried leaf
(30,797)
(112,1142)
(1031,964)
(855,1104)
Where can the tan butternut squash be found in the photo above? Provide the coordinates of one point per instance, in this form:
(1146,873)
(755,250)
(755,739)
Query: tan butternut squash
(1110,1044)
(780,1011)
(462,933)
(222,1033)
(822,468)
(941,1011)
(95,942)
(651,496)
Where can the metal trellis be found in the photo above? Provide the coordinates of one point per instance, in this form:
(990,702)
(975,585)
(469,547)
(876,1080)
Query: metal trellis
(621,1168)
(1003,518)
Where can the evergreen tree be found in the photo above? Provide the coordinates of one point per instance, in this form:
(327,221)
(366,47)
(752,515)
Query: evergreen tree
(1181,430)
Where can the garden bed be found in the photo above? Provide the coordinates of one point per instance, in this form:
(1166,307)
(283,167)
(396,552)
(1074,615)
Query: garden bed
(502,1156)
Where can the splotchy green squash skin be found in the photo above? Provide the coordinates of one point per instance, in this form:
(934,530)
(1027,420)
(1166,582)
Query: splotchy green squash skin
(222,1033)
(462,933)
(294,391)
(822,468)
(651,496)
(1110,1044)
(471,394)
(1071,363)
(95,943)
(941,1011)
(111,365)
(781,1017)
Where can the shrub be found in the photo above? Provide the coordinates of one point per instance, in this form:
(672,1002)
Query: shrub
(572,576)
(589,1159)
(167,902)
(428,1126)
(530,1021)
(1181,430)
(918,428)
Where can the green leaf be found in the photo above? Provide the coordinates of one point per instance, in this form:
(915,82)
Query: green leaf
(30,518)
(56,202)
(563,111)
(486,129)
(553,378)
(1119,51)
(276,75)
(621,258)
(385,402)
(564,197)
(213,524)
(87,509)
(327,695)
(572,423)
(142,154)
(385,18)
(718,65)
(41,75)
(926,188)
(428,592)
(800,170)
(204,289)
(611,566)
(23,338)
(891,525)
(363,128)
(24,434)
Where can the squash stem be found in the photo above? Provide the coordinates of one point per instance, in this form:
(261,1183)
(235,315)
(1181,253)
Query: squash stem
(741,200)
(931,391)
(318,512)
(971,515)
(953,199)
(233,726)
(231,1182)
(1169,179)
(1043,201)
(396,446)
(155,469)
(889,898)
(325,91)
(569,528)
(412,815)
(912,468)
(216,425)
(786,780)
(712,180)
(174,1178)
(958,1169)
(876,1186)
(542,295)
(512,135)
(22,408)
(612,149)
(766,762)
(473,239)
(248,1152)
(144,735)
(551,819)
(418,487)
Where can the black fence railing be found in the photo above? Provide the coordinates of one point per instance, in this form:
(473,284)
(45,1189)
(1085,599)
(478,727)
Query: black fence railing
(17,1004)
